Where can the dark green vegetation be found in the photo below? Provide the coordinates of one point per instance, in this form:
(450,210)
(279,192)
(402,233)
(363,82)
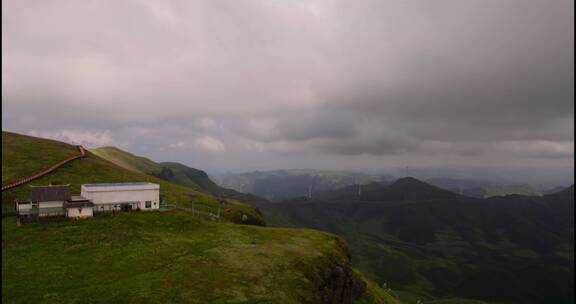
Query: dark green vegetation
(285,184)
(426,243)
(189,177)
(172,257)
(483,189)
(162,257)
(406,189)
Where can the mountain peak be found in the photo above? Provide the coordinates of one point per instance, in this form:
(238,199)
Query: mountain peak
(409,180)
(403,189)
(414,189)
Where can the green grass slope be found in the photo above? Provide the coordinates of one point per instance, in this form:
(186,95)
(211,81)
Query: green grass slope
(171,171)
(93,169)
(128,160)
(163,257)
(172,257)
(18,151)
(189,177)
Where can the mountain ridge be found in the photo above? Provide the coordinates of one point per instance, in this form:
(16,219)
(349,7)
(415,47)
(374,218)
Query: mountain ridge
(402,190)
(173,172)
(448,246)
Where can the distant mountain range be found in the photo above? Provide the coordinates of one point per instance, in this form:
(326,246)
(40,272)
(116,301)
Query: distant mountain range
(484,189)
(423,240)
(278,185)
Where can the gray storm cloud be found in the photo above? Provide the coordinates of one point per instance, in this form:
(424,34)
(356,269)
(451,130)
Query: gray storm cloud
(268,84)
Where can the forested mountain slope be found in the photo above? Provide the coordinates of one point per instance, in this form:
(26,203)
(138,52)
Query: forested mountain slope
(510,249)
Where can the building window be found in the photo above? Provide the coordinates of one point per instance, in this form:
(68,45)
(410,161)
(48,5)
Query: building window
(80,210)
(148,204)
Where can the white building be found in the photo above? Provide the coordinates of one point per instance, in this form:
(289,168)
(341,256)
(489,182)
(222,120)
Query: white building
(51,202)
(122,196)
(78,207)
(44,201)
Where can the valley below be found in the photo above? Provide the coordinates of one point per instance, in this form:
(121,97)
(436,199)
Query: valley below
(425,243)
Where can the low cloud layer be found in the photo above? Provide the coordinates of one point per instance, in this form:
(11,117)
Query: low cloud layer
(242,85)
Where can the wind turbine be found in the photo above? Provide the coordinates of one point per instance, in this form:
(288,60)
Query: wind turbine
(359,186)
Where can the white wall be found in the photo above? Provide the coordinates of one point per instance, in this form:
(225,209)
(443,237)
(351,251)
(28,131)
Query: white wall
(119,195)
(50,204)
(79,212)
(24,207)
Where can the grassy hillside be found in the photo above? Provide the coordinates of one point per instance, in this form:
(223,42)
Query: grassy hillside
(160,257)
(18,151)
(128,160)
(169,171)
(171,257)
(94,169)
(189,177)
(173,172)
(513,249)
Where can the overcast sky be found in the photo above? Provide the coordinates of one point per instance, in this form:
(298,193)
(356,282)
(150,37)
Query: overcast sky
(245,85)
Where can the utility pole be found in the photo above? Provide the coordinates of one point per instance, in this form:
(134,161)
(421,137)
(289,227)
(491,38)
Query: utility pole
(220,201)
(218,214)
(310,192)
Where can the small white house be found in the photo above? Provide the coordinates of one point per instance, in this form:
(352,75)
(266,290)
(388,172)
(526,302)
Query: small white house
(53,201)
(122,196)
(47,201)
(79,207)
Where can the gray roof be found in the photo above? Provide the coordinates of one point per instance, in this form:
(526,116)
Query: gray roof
(77,198)
(50,193)
(78,204)
(117,184)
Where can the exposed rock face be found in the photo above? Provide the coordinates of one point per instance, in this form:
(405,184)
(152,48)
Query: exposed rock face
(335,282)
